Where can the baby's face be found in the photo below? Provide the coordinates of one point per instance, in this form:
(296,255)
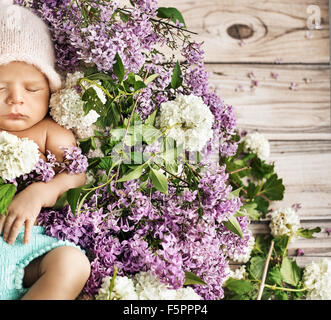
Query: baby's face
(24,96)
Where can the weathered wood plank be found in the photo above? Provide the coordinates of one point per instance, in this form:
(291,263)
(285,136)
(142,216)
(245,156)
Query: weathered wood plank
(271,106)
(279,29)
(305,169)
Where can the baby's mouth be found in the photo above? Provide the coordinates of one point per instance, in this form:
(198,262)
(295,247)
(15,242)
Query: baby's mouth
(15,116)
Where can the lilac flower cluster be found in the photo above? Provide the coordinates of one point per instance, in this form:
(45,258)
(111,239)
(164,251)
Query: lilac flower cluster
(164,234)
(98,41)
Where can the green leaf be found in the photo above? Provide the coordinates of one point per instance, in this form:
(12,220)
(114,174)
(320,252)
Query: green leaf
(256,267)
(118,68)
(73,196)
(280,295)
(260,169)
(87,144)
(262,244)
(113,116)
(252,190)
(124,17)
(134,174)
(61,202)
(151,118)
(105,164)
(251,209)
(280,244)
(274,276)
(191,278)
(239,286)
(262,204)
(7,192)
(112,281)
(233,225)
(139,85)
(170,13)
(159,180)
(176,78)
(273,188)
(236,193)
(307,233)
(290,272)
(150,134)
(151,78)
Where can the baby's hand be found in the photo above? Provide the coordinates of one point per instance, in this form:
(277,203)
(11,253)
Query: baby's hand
(23,210)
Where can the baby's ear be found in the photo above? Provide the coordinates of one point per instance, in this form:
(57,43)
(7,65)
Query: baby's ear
(58,137)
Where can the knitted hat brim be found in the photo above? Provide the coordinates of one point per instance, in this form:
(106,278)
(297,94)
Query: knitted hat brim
(54,79)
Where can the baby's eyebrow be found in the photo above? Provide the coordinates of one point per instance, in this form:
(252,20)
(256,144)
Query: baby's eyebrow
(38,82)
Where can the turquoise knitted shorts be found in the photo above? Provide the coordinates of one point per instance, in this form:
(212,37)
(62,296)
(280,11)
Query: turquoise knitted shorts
(14,258)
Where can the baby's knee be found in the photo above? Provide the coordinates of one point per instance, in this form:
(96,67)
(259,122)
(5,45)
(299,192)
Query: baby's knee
(69,262)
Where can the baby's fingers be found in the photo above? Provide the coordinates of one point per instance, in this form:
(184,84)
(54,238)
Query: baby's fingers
(28,231)
(9,220)
(2,222)
(14,230)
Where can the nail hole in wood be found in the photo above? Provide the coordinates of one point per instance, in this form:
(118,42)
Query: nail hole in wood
(240,31)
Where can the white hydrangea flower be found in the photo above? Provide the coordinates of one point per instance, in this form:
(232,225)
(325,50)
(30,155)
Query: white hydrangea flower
(66,105)
(192,121)
(258,144)
(66,108)
(123,289)
(239,273)
(186,293)
(284,219)
(244,257)
(149,287)
(317,279)
(18,156)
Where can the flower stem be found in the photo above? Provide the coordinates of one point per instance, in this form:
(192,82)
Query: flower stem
(265,272)
(284,289)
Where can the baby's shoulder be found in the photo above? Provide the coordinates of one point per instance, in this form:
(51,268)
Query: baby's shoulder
(57,137)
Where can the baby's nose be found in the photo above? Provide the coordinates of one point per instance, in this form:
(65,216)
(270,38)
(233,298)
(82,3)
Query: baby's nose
(15,97)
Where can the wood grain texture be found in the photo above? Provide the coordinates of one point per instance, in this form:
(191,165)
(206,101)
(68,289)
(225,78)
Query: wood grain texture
(305,169)
(271,106)
(279,29)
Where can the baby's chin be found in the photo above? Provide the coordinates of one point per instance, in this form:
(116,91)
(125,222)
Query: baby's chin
(15,125)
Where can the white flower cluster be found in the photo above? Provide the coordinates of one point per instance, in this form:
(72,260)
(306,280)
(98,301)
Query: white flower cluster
(258,144)
(66,105)
(188,120)
(317,279)
(18,156)
(123,289)
(143,286)
(239,273)
(283,220)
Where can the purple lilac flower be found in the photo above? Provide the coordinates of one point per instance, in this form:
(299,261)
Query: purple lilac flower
(161,233)
(77,162)
(300,252)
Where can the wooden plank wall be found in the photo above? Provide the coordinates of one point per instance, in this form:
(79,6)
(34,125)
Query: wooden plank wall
(293,111)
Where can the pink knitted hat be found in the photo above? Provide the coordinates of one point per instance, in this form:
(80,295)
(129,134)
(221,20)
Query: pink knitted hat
(25,37)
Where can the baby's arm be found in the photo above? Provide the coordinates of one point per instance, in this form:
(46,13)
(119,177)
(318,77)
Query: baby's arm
(26,205)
